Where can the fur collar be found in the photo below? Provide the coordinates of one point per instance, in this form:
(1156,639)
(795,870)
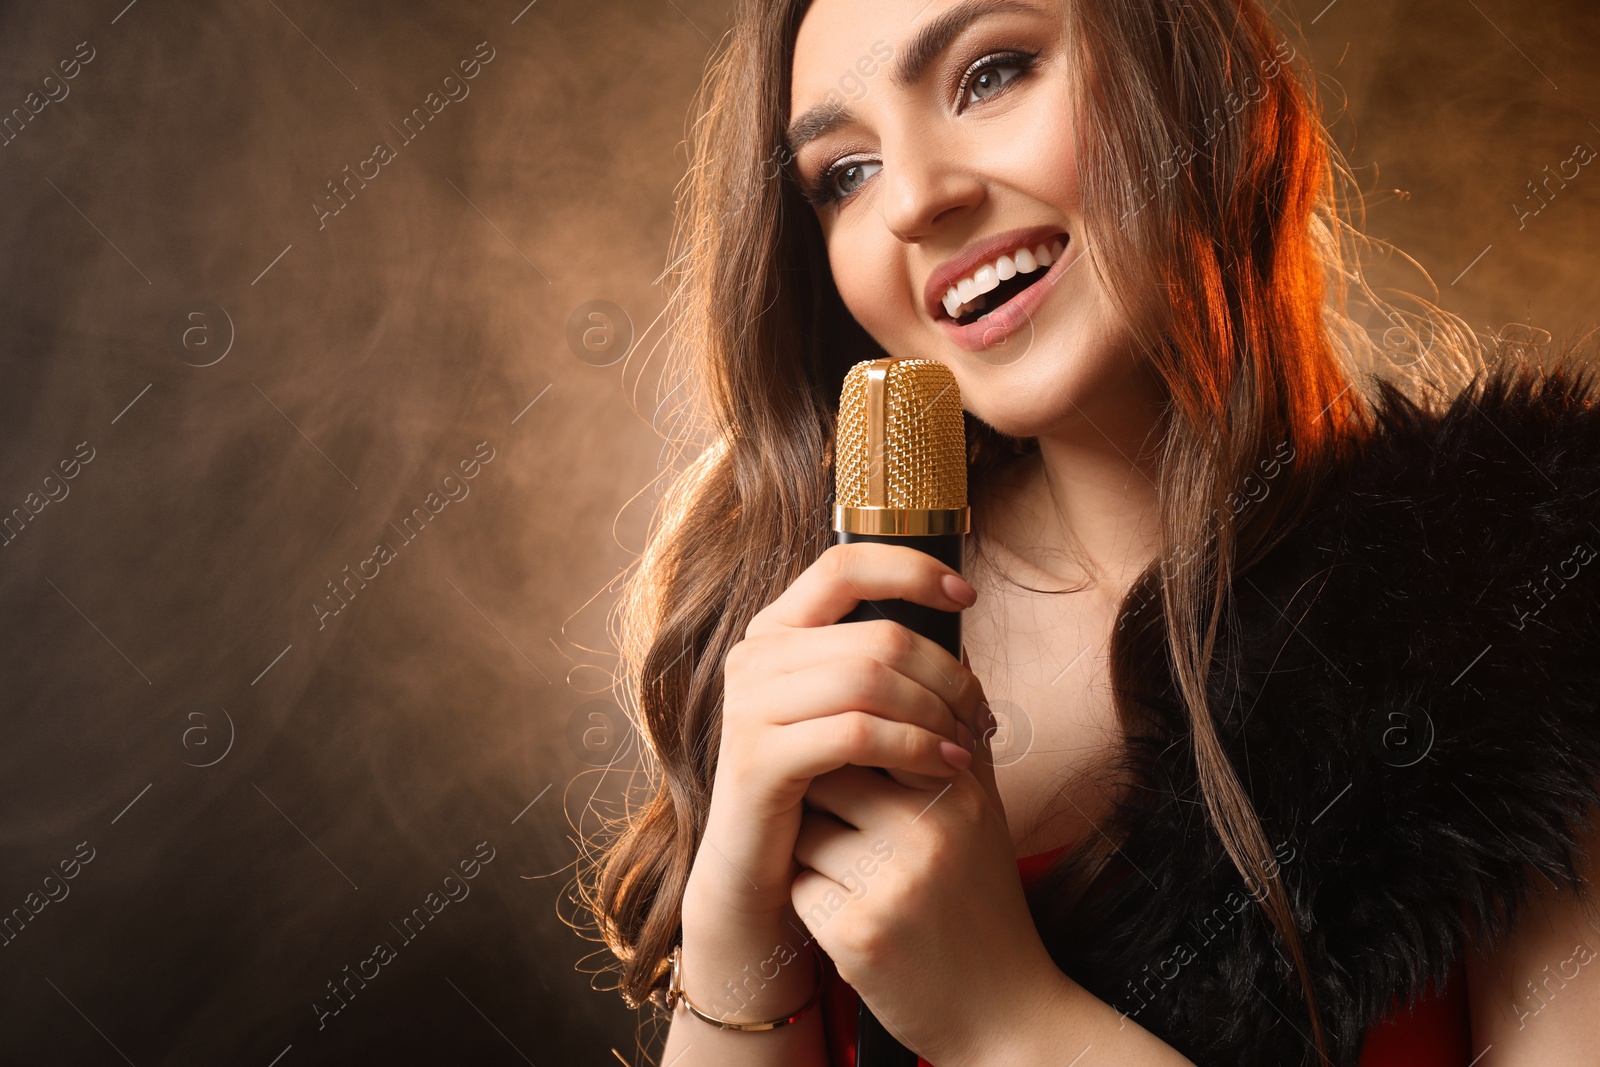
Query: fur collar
(1415,715)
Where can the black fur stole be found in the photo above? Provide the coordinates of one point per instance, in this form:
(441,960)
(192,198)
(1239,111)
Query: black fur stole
(1415,715)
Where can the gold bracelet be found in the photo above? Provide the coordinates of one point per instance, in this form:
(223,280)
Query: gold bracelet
(675,993)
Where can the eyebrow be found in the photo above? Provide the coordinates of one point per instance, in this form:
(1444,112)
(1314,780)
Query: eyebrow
(929,43)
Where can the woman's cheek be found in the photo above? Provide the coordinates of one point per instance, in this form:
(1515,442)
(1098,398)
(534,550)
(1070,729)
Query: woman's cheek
(1038,159)
(871,291)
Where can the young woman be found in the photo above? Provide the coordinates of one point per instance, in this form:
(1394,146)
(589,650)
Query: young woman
(1231,577)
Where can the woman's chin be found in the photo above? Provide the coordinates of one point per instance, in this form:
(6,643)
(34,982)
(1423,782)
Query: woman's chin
(1007,419)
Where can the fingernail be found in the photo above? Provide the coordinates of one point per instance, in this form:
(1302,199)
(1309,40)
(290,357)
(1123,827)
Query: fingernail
(955,755)
(959,590)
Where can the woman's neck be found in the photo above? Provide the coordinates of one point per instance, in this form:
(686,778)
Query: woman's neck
(1083,508)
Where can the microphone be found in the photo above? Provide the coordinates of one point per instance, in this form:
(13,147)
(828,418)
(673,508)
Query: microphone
(900,478)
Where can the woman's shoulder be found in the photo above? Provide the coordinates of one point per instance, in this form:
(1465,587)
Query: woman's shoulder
(1409,690)
(1443,596)
(1442,736)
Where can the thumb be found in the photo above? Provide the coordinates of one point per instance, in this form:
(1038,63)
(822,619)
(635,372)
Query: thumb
(983,759)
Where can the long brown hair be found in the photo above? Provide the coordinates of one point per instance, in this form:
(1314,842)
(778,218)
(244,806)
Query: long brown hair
(1216,223)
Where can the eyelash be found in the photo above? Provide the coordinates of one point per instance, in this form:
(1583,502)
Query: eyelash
(820,191)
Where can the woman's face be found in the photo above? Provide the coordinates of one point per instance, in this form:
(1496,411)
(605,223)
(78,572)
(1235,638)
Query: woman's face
(935,140)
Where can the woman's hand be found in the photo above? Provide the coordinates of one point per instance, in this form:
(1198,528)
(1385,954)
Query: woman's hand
(913,891)
(803,697)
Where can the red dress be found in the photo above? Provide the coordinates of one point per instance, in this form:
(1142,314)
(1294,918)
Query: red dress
(1435,1032)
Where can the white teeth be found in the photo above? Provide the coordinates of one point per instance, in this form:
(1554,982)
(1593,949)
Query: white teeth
(967,294)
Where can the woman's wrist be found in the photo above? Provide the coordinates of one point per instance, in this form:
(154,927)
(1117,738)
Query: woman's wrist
(746,971)
(1051,1019)
(1022,1022)
(744,998)
(746,981)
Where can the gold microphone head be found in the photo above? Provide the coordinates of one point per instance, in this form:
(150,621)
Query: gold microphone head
(900,455)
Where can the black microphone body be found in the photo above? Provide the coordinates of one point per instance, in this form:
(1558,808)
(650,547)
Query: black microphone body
(939,626)
(900,465)
(875,1046)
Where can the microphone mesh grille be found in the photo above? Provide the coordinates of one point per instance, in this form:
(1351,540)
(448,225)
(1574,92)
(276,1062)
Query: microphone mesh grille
(925,439)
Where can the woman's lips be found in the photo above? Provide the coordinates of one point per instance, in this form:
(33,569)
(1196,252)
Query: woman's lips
(985,333)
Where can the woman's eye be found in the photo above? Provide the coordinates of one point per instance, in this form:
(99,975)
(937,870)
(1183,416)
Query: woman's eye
(987,80)
(831,186)
(848,178)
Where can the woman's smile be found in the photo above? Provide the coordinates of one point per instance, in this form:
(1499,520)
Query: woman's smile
(965,296)
(992,303)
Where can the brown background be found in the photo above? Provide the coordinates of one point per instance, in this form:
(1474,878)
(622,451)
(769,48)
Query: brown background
(265,796)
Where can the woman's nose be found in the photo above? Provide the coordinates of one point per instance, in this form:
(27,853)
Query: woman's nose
(923,190)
